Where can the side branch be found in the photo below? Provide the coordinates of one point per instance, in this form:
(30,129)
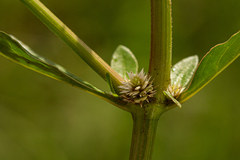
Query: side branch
(76,44)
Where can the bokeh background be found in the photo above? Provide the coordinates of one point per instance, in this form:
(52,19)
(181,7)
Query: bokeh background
(43,119)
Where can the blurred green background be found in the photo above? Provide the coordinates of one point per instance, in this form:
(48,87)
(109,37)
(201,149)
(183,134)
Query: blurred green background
(43,119)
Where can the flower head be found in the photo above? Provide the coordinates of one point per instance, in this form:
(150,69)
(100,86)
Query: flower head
(137,89)
(175,90)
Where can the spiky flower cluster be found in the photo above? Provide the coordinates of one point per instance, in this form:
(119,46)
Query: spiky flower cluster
(175,90)
(137,89)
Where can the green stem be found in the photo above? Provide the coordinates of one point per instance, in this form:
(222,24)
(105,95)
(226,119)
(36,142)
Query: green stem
(145,122)
(161,45)
(76,44)
(145,119)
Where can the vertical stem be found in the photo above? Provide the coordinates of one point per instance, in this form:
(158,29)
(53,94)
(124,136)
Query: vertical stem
(145,119)
(161,45)
(145,122)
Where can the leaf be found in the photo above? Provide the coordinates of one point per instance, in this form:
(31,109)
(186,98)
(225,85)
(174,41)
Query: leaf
(213,63)
(18,52)
(182,71)
(109,82)
(169,96)
(124,61)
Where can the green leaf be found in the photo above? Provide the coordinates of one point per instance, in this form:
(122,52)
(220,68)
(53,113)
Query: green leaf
(124,61)
(182,71)
(18,52)
(109,82)
(169,96)
(213,63)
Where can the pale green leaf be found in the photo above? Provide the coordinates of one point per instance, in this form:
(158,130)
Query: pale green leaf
(169,96)
(213,63)
(183,71)
(124,61)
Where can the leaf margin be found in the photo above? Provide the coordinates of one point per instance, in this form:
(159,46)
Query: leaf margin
(189,93)
(187,69)
(69,77)
(122,51)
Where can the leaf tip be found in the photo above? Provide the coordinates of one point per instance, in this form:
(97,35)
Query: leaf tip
(170,97)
